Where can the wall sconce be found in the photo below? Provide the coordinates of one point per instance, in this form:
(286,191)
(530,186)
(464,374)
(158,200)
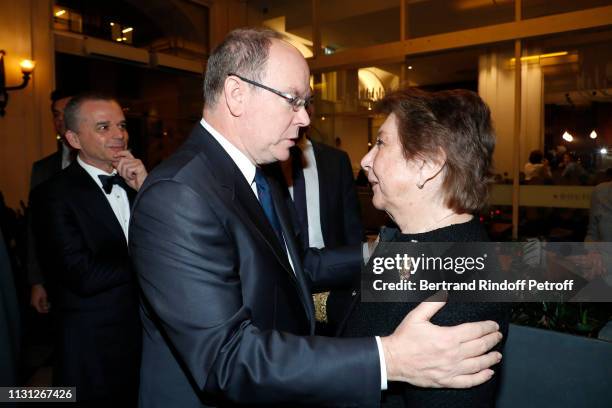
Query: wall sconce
(27,67)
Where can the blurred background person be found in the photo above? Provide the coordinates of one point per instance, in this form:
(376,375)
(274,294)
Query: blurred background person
(572,171)
(43,170)
(320,182)
(537,169)
(600,216)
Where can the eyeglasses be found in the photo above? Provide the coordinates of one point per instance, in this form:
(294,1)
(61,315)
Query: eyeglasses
(295,101)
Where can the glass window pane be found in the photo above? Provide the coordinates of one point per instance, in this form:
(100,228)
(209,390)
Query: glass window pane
(180,27)
(442,16)
(539,8)
(349,24)
(577,96)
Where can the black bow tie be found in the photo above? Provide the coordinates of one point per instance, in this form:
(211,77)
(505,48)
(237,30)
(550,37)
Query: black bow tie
(109,181)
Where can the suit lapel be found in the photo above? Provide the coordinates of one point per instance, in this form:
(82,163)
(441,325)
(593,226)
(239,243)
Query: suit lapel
(237,193)
(131,194)
(93,201)
(292,247)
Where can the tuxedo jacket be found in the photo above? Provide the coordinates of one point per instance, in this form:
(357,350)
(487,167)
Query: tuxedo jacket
(42,170)
(95,303)
(226,318)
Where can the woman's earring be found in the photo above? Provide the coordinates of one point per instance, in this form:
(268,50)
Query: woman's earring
(420,185)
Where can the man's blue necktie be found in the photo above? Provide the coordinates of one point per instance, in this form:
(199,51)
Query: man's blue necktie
(265,199)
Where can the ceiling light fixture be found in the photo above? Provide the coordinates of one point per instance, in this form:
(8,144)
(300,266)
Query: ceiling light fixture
(540,56)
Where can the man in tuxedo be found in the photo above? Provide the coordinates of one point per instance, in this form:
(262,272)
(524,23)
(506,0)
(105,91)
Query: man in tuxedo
(81,221)
(43,170)
(227,313)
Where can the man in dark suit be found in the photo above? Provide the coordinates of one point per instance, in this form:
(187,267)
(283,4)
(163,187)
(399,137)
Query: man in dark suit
(81,218)
(227,313)
(326,202)
(43,170)
(10,330)
(320,183)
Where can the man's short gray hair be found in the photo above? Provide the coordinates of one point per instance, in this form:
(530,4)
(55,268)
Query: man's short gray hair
(244,52)
(72,111)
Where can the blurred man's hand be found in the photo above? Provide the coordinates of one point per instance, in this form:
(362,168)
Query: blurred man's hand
(38,298)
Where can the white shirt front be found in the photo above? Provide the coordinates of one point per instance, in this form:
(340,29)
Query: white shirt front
(117,198)
(311,181)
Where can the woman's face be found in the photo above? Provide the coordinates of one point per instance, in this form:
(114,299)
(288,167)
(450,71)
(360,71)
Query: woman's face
(393,178)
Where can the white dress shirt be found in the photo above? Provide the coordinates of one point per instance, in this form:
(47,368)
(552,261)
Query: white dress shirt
(247,168)
(117,198)
(311,182)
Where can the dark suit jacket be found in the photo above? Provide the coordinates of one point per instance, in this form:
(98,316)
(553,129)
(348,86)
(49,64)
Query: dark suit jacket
(42,170)
(84,249)
(10,330)
(340,219)
(339,207)
(226,319)
(45,168)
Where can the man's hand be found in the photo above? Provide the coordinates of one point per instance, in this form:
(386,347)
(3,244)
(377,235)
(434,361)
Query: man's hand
(38,298)
(130,169)
(426,355)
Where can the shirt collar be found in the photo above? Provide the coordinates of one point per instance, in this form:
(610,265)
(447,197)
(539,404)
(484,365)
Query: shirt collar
(93,171)
(247,168)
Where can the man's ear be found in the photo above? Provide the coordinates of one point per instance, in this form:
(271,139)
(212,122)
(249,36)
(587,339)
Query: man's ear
(73,139)
(234,94)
